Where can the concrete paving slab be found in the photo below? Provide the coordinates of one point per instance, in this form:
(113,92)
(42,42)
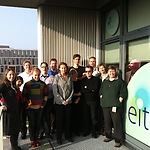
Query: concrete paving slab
(80,143)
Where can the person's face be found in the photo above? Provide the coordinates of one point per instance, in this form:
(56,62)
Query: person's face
(74,75)
(111,73)
(36,75)
(102,69)
(44,69)
(63,69)
(27,66)
(92,62)
(53,65)
(88,72)
(134,66)
(76,60)
(18,83)
(10,76)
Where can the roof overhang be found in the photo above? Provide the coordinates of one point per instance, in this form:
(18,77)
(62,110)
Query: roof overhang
(21,3)
(91,4)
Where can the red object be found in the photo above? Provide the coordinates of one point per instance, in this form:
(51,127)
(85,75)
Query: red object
(37,143)
(33,144)
(29,104)
(2,100)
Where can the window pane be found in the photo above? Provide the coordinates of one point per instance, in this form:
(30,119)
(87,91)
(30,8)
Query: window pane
(139,11)
(139,49)
(112,53)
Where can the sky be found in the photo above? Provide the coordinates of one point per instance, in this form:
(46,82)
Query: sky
(18,27)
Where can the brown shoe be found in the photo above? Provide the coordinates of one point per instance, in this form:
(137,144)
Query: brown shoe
(117,145)
(107,140)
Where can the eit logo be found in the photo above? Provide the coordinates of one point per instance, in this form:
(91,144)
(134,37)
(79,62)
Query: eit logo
(138,109)
(137,121)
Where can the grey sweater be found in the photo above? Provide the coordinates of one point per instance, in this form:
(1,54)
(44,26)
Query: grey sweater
(62,89)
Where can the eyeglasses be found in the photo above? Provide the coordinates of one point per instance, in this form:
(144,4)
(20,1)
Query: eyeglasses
(87,71)
(43,67)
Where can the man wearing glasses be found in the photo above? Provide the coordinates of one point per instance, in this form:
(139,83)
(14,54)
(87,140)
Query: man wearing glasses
(90,90)
(46,122)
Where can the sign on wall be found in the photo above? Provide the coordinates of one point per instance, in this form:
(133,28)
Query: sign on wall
(137,122)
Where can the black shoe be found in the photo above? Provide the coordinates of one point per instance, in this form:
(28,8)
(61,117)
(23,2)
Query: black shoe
(41,137)
(77,133)
(49,137)
(94,135)
(85,134)
(53,131)
(70,140)
(16,148)
(59,141)
(23,136)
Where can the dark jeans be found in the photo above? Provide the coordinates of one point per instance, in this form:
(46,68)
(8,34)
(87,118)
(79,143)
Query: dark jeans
(63,119)
(90,120)
(34,116)
(115,118)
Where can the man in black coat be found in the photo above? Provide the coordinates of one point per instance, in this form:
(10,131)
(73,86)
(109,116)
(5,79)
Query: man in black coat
(90,91)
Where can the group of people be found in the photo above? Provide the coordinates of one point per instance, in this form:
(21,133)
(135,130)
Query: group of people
(71,100)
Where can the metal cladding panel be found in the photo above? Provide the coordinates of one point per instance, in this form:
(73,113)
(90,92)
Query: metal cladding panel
(66,31)
(73,3)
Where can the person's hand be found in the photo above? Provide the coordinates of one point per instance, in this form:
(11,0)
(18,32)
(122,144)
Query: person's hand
(84,75)
(65,102)
(77,100)
(4,108)
(120,99)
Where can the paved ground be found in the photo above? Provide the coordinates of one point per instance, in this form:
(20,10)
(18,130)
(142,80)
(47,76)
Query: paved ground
(25,144)
(80,143)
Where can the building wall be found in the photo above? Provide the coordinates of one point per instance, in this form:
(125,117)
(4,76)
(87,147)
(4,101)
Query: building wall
(14,58)
(65,31)
(130,39)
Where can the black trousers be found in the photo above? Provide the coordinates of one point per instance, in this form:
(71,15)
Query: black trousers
(89,117)
(34,116)
(46,119)
(76,117)
(14,140)
(24,120)
(115,118)
(100,119)
(63,120)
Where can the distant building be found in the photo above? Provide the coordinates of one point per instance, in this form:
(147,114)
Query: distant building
(13,58)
